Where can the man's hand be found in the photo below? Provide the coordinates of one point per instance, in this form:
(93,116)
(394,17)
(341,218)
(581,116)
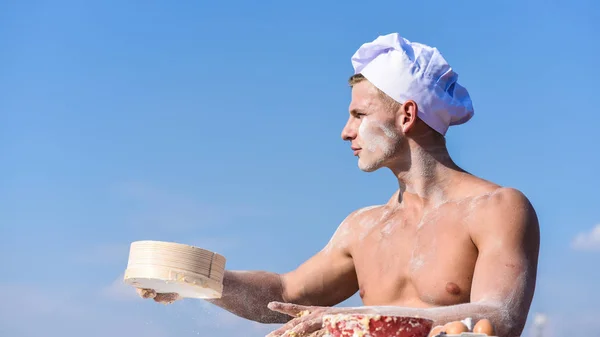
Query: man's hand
(166,298)
(307,322)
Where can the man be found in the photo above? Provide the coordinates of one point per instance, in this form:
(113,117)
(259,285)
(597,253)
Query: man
(446,246)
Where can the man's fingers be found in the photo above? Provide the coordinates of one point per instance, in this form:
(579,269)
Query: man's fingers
(146,293)
(307,327)
(319,333)
(287,326)
(303,323)
(293,310)
(166,298)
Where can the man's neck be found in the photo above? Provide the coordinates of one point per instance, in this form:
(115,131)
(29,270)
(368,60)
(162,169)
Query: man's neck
(428,174)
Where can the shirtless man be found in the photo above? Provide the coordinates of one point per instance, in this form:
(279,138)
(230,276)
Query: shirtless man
(446,246)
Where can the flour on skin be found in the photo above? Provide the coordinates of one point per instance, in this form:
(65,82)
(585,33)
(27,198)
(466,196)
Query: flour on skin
(429,218)
(417,262)
(474,202)
(432,216)
(370,221)
(388,228)
(343,233)
(374,136)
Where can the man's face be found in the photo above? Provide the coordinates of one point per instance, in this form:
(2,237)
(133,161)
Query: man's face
(371,128)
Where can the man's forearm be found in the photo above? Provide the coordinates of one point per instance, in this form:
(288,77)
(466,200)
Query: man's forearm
(504,324)
(247,293)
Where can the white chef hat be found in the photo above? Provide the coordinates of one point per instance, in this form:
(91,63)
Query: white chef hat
(408,70)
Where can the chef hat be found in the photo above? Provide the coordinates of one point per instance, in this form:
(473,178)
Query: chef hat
(407,70)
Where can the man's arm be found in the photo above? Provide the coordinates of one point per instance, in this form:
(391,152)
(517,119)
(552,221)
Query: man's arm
(507,238)
(326,279)
(247,293)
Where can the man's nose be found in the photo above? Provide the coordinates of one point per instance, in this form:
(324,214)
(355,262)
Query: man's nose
(349,131)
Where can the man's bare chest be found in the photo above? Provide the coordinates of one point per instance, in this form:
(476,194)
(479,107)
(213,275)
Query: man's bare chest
(415,256)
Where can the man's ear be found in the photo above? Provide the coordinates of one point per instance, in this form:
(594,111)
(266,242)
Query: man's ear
(407,116)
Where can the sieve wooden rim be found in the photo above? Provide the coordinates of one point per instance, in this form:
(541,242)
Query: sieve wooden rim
(176,256)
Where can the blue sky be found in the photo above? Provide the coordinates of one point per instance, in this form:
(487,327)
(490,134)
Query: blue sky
(219,125)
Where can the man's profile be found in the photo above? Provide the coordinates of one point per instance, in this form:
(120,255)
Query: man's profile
(446,246)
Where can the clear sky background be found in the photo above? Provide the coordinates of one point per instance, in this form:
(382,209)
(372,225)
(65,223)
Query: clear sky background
(218,124)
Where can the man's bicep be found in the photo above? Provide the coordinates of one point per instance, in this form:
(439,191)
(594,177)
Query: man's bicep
(508,246)
(501,274)
(326,279)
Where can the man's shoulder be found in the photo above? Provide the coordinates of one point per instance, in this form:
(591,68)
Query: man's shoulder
(503,210)
(493,195)
(365,211)
(355,218)
(504,200)
(345,233)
